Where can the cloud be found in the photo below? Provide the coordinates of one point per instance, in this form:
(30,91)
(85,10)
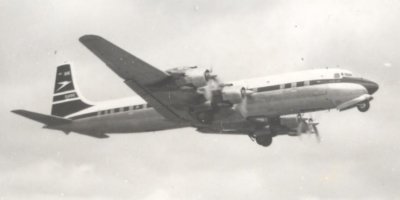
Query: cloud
(356,160)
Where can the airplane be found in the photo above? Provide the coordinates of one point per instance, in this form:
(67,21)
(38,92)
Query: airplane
(261,108)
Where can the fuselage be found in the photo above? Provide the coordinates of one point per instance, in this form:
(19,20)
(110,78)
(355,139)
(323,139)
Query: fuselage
(277,95)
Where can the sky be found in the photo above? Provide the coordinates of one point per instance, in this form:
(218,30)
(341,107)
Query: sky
(358,157)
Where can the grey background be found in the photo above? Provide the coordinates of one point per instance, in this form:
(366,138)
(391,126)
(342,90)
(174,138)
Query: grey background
(358,157)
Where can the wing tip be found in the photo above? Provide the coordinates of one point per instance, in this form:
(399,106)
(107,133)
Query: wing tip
(89,37)
(18,111)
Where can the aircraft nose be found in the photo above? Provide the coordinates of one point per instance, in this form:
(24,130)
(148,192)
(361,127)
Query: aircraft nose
(371,86)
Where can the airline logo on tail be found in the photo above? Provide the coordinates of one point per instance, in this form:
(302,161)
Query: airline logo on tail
(66,100)
(63,84)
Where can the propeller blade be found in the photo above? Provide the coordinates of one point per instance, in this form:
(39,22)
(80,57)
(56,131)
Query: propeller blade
(243,107)
(302,127)
(208,90)
(316,132)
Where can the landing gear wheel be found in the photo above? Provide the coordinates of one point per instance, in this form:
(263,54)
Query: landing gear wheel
(363,107)
(264,140)
(205,117)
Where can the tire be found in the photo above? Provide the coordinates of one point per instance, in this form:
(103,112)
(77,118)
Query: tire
(264,140)
(363,107)
(205,117)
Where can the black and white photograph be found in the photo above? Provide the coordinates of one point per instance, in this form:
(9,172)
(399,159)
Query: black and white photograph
(199,99)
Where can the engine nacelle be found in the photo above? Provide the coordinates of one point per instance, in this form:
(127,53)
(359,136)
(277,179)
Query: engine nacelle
(198,77)
(297,126)
(233,94)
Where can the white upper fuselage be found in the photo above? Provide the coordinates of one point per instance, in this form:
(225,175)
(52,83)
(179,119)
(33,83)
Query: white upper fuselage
(299,92)
(291,77)
(275,95)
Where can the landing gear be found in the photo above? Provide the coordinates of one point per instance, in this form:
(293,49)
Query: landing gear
(264,140)
(205,117)
(363,107)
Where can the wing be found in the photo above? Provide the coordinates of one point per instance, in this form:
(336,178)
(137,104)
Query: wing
(151,84)
(126,65)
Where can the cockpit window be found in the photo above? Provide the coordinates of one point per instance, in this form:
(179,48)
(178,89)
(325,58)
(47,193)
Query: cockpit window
(346,74)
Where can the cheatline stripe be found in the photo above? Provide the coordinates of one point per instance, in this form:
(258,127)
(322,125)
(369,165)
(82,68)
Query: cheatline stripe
(310,82)
(259,89)
(67,100)
(65,92)
(65,96)
(114,111)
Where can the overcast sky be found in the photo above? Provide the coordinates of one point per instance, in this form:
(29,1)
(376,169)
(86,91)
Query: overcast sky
(357,159)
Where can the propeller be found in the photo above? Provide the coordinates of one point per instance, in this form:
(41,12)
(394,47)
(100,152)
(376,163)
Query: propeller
(214,92)
(242,107)
(302,125)
(316,132)
(307,125)
(313,129)
(210,88)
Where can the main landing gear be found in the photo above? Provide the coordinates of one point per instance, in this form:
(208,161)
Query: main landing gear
(262,139)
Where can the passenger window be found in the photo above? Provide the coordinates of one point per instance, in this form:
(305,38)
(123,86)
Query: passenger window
(287,85)
(337,75)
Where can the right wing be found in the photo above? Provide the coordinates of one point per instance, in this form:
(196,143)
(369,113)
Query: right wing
(147,81)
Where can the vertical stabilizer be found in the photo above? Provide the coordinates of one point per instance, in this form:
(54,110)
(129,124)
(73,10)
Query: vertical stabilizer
(66,99)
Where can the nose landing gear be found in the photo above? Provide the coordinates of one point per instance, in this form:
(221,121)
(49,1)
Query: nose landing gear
(363,107)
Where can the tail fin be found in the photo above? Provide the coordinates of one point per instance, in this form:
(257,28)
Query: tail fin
(66,99)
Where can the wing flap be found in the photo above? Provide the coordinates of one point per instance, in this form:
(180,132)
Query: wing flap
(159,105)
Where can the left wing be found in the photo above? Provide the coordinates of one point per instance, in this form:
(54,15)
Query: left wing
(126,65)
(153,85)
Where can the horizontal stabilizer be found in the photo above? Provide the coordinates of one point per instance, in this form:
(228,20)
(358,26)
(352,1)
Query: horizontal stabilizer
(42,118)
(354,102)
